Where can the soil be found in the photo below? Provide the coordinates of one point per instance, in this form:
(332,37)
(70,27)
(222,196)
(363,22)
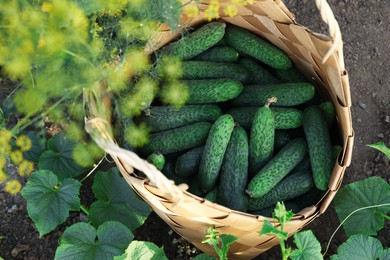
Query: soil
(365,27)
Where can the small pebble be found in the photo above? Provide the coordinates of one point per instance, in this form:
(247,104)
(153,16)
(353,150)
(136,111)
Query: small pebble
(12,209)
(387,119)
(381,136)
(359,120)
(374,94)
(362,105)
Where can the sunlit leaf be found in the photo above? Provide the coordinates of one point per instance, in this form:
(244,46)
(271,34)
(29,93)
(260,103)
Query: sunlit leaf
(308,247)
(268,229)
(359,247)
(380,146)
(139,250)
(49,201)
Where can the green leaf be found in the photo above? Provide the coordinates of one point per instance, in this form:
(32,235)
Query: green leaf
(386,254)
(59,158)
(308,247)
(82,241)
(139,250)
(204,257)
(359,247)
(116,200)
(227,240)
(268,228)
(37,148)
(365,193)
(380,146)
(282,214)
(49,202)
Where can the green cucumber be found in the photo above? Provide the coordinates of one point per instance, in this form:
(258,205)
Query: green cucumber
(267,212)
(219,54)
(320,147)
(212,195)
(203,91)
(262,136)
(293,185)
(214,151)
(285,117)
(234,172)
(252,45)
(281,139)
(329,112)
(157,159)
(187,164)
(169,171)
(258,74)
(194,186)
(288,94)
(277,168)
(213,70)
(196,42)
(178,139)
(291,75)
(161,118)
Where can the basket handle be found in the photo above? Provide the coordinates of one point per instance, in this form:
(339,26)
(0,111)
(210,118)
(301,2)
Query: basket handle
(334,29)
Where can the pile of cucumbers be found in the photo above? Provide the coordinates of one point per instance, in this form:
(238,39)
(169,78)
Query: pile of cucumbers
(253,131)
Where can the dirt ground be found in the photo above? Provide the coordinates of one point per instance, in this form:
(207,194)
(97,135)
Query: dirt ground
(365,26)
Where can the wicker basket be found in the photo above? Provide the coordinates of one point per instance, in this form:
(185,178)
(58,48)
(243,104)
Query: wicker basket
(319,58)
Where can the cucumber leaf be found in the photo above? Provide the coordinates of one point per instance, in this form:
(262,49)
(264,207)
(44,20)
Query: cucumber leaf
(359,247)
(37,148)
(83,241)
(365,193)
(48,201)
(386,254)
(308,246)
(139,250)
(116,200)
(59,158)
(268,228)
(204,257)
(380,146)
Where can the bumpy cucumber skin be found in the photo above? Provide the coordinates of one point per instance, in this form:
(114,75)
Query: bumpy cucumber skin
(252,45)
(161,118)
(291,75)
(282,138)
(288,94)
(187,164)
(157,159)
(205,91)
(214,151)
(212,195)
(197,42)
(214,70)
(219,54)
(285,117)
(329,112)
(178,139)
(293,185)
(258,74)
(262,136)
(234,172)
(320,147)
(277,168)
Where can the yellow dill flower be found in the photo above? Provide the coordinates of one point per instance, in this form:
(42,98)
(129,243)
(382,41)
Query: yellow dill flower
(41,42)
(191,10)
(5,148)
(3,161)
(3,176)
(175,93)
(25,168)
(24,142)
(46,7)
(212,12)
(13,187)
(5,135)
(16,156)
(231,10)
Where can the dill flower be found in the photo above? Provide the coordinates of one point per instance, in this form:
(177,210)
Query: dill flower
(13,187)
(24,143)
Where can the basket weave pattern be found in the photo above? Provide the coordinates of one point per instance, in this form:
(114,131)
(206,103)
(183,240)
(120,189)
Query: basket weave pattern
(319,58)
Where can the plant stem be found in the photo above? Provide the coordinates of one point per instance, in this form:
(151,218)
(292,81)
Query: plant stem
(93,169)
(350,214)
(84,209)
(382,214)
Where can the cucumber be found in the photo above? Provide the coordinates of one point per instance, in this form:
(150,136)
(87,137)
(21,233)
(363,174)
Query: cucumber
(234,172)
(178,139)
(196,42)
(214,151)
(267,212)
(293,185)
(329,112)
(219,54)
(277,168)
(169,171)
(262,136)
(157,159)
(291,75)
(212,195)
(194,186)
(203,91)
(320,147)
(161,118)
(285,117)
(288,94)
(281,139)
(258,74)
(213,70)
(187,164)
(252,45)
